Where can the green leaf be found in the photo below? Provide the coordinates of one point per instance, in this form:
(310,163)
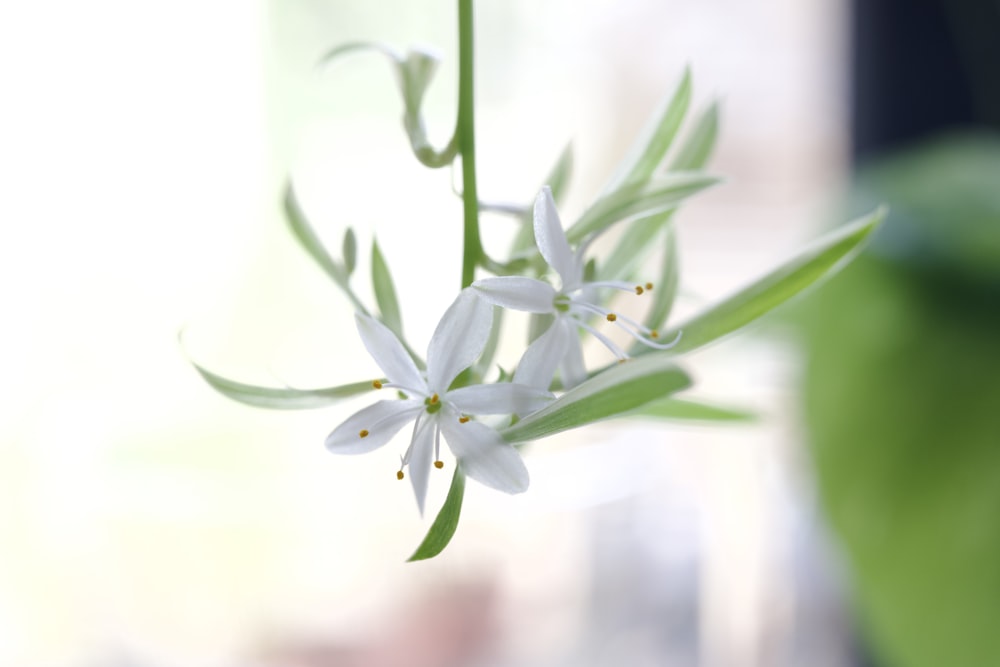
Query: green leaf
(350,251)
(443,528)
(385,292)
(652,145)
(557,180)
(308,238)
(698,146)
(616,391)
(633,246)
(280,398)
(664,292)
(821,260)
(414,73)
(686,410)
(661,193)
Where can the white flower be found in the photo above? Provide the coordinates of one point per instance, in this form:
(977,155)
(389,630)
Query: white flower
(572,305)
(458,341)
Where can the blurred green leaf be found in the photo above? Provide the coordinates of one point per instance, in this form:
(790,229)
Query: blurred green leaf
(350,251)
(385,292)
(698,146)
(687,410)
(659,194)
(632,247)
(414,73)
(664,292)
(616,391)
(821,260)
(446,522)
(649,149)
(557,180)
(307,237)
(281,398)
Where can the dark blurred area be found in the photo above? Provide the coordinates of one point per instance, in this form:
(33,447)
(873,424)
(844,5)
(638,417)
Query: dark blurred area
(902,391)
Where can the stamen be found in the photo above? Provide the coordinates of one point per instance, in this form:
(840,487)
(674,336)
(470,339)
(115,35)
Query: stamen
(363,433)
(463,420)
(615,350)
(612,317)
(437,446)
(434,399)
(376,384)
(649,286)
(400,475)
(654,334)
(439,464)
(639,290)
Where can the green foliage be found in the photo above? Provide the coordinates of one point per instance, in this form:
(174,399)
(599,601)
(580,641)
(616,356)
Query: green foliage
(385,292)
(660,193)
(618,390)
(821,260)
(446,522)
(281,398)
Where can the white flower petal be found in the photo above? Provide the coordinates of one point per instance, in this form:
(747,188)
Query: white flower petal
(540,360)
(458,340)
(485,457)
(551,241)
(421,452)
(379,421)
(517,292)
(503,398)
(389,353)
(571,368)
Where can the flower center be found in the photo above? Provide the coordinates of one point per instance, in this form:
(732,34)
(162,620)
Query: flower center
(433,404)
(561,303)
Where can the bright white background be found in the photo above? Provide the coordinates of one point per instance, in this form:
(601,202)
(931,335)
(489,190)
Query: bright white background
(142,150)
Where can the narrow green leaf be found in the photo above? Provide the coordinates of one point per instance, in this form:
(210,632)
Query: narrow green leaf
(307,237)
(350,251)
(665,290)
(280,398)
(821,260)
(557,180)
(618,390)
(661,193)
(446,522)
(385,292)
(633,246)
(649,149)
(698,146)
(687,410)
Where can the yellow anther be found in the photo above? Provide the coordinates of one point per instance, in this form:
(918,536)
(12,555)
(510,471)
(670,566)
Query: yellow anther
(638,289)
(439,464)
(649,286)
(622,361)
(363,433)
(434,399)
(376,384)
(463,420)
(612,317)
(399,474)
(654,334)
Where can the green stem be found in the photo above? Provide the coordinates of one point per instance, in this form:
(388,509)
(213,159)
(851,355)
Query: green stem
(472,246)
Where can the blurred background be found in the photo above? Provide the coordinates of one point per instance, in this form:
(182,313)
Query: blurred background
(147,521)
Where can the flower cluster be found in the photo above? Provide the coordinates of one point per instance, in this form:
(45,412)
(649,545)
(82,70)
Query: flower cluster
(436,408)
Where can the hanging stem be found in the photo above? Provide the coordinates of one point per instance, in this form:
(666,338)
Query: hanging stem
(472,246)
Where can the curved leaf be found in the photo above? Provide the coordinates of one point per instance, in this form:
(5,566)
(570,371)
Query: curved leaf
(821,260)
(659,194)
(446,522)
(616,391)
(280,398)
(678,409)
